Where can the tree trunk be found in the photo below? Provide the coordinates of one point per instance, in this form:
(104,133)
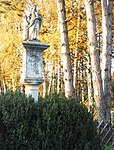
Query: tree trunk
(95,60)
(106,53)
(50,80)
(78,80)
(82,81)
(68,78)
(58,78)
(44,85)
(13,85)
(4,85)
(90,86)
(76,53)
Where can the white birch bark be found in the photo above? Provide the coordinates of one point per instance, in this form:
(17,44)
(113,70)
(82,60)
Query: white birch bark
(106,53)
(95,60)
(65,52)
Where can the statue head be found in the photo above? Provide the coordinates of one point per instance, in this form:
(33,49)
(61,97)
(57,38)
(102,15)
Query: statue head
(35,8)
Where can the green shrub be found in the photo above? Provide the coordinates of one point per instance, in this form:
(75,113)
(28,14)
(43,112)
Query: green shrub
(19,119)
(54,123)
(109,148)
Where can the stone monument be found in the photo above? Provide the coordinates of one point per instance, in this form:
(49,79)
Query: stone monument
(31,75)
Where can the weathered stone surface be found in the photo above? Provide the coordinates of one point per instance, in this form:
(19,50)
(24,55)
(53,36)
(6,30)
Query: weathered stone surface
(31,75)
(32,62)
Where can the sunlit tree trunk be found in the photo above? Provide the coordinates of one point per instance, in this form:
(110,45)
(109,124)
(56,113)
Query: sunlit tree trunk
(67,69)
(58,78)
(78,79)
(82,81)
(106,53)
(4,85)
(95,60)
(0,87)
(90,87)
(76,53)
(62,87)
(44,85)
(50,80)
(53,89)
(13,85)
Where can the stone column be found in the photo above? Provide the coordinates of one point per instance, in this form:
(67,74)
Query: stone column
(31,75)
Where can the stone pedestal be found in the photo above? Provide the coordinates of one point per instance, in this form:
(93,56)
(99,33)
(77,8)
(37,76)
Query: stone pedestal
(31,75)
(32,89)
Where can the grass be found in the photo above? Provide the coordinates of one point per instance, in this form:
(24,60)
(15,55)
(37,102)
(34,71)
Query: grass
(109,148)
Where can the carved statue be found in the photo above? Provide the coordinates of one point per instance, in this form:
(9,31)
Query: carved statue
(31,24)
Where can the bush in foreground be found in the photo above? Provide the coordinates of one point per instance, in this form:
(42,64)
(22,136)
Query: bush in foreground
(55,123)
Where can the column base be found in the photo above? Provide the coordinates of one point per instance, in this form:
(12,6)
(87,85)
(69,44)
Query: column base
(32,89)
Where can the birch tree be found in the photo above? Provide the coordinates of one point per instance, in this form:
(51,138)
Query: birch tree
(95,60)
(68,78)
(106,52)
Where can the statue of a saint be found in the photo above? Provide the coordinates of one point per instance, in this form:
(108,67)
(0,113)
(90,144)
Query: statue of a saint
(32,24)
